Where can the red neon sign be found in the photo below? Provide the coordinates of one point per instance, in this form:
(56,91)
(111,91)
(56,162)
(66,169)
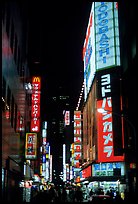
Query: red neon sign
(35,113)
(105,132)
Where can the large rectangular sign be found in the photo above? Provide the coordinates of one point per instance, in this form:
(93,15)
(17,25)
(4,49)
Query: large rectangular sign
(35,114)
(77,140)
(101,48)
(107,35)
(105,125)
(31,146)
(89,54)
(108,169)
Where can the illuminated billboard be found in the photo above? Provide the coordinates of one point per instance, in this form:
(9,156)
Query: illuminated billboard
(85,173)
(107,35)
(109,130)
(108,169)
(101,48)
(89,54)
(31,146)
(35,113)
(67,118)
(77,156)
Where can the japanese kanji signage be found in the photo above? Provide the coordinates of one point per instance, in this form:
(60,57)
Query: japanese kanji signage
(35,113)
(105,123)
(31,146)
(77,139)
(67,118)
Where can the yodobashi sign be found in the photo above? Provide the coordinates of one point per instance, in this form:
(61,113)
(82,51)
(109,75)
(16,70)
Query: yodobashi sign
(107,35)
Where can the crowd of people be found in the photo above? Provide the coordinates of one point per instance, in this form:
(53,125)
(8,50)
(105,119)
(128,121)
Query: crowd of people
(58,194)
(71,194)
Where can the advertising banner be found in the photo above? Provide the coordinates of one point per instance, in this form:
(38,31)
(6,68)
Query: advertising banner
(35,113)
(31,146)
(110,135)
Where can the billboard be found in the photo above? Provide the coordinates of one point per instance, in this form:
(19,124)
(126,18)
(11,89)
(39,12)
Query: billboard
(110,135)
(108,169)
(31,146)
(101,48)
(67,118)
(35,113)
(89,54)
(77,140)
(106,35)
(85,173)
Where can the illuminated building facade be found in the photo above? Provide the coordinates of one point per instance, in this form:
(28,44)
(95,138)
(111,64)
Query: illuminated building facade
(106,145)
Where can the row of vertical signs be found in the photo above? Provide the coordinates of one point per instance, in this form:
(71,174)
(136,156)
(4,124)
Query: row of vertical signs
(31,138)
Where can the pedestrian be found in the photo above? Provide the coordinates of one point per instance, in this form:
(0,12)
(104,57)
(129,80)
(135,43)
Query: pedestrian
(78,195)
(90,195)
(64,195)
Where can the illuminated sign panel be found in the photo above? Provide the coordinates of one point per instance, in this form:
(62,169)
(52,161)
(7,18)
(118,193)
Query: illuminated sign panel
(77,139)
(67,118)
(101,46)
(107,35)
(31,146)
(85,173)
(77,145)
(64,162)
(35,113)
(107,169)
(89,54)
(105,122)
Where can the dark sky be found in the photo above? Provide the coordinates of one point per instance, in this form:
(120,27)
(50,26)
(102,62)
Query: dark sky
(57,31)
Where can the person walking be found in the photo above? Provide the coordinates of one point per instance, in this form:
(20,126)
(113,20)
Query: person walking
(78,195)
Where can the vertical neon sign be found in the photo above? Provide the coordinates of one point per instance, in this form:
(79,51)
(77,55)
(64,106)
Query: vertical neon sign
(35,114)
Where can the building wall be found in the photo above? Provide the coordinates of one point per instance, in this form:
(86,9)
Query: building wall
(127,89)
(14,97)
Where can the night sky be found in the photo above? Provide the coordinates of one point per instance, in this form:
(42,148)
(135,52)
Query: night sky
(57,32)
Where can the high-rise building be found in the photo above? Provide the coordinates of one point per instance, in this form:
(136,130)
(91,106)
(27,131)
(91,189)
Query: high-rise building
(58,133)
(109,137)
(15,97)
